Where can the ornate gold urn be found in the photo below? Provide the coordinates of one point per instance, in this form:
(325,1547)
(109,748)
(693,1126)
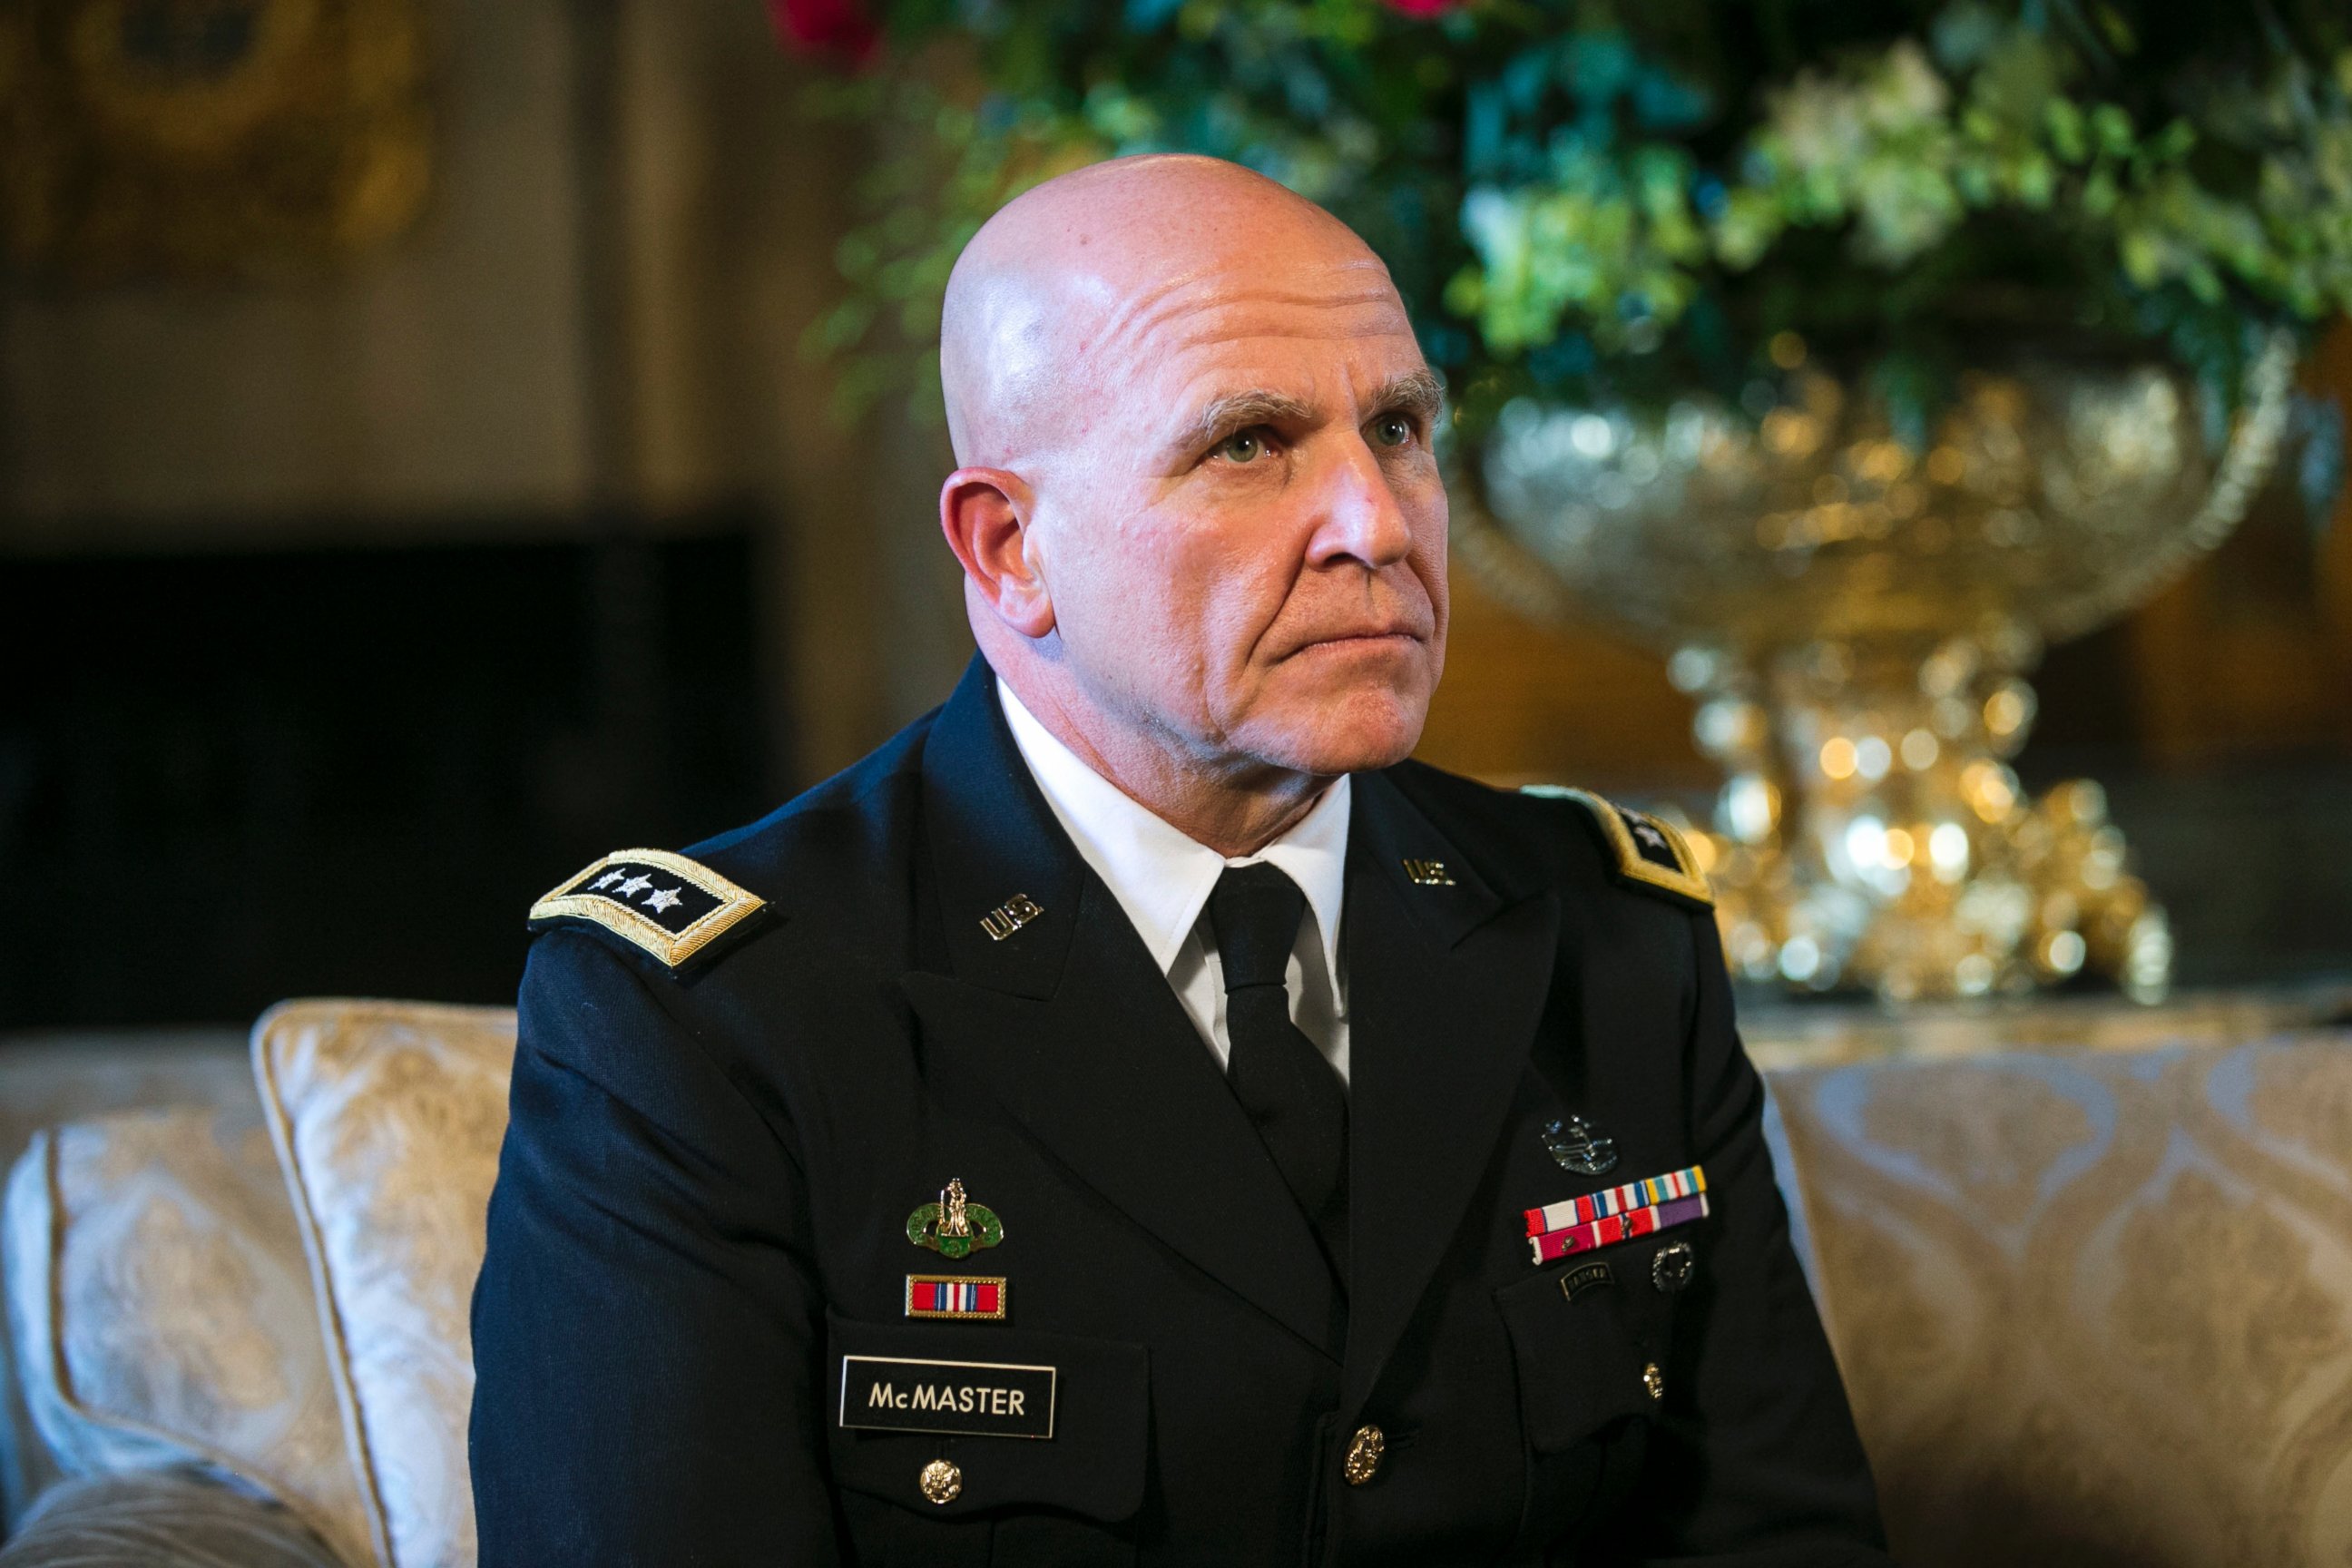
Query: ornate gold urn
(1857,616)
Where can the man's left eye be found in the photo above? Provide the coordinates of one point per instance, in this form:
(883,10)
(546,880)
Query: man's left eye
(1393,430)
(1242,446)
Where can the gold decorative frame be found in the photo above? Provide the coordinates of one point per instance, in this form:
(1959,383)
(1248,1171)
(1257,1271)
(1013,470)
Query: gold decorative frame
(209,138)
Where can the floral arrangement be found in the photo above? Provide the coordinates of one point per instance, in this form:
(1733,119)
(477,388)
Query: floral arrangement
(1601,201)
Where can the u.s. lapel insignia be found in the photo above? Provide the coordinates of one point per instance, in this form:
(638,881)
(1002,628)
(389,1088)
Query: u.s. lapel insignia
(665,904)
(954,1226)
(1428,874)
(962,1296)
(1577,1147)
(1009,916)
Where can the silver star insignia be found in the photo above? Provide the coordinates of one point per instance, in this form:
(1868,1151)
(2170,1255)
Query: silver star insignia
(1650,835)
(662,900)
(633,885)
(607,879)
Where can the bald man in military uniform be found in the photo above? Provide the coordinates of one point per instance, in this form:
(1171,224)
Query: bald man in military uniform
(1137,1116)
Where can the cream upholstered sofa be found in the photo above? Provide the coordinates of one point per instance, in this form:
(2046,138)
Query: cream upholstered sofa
(268,1296)
(2094,1307)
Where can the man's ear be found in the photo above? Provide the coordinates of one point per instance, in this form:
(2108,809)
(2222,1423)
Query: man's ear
(985,514)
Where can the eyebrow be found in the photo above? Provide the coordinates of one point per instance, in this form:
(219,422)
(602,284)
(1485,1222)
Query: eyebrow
(1417,393)
(1234,411)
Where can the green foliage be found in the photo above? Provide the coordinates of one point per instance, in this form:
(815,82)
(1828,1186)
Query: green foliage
(1598,200)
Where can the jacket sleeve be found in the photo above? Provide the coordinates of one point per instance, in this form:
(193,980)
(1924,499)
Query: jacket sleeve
(646,1325)
(1754,1461)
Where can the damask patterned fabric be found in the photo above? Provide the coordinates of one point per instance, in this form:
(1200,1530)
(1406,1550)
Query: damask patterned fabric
(160,1520)
(49,1080)
(161,1313)
(2093,1310)
(388,1119)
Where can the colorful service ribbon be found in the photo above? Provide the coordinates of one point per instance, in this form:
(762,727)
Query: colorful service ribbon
(934,1296)
(1620,1214)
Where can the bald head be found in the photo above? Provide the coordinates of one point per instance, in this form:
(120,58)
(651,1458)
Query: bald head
(1073,278)
(1201,525)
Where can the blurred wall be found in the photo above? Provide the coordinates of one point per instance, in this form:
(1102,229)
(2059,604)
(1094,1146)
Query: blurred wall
(595,327)
(444,376)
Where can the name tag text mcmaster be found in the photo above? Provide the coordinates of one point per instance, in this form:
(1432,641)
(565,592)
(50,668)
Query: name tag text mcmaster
(991,1399)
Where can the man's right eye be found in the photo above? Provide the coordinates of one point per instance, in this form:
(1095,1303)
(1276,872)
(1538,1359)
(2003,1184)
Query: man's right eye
(1242,446)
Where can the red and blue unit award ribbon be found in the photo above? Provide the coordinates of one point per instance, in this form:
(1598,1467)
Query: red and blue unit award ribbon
(954,1296)
(1620,1214)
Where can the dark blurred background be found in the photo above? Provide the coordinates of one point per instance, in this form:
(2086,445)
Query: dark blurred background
(349,603)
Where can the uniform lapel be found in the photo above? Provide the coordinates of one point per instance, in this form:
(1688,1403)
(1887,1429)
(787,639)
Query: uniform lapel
(1075,1032)
(1446,980)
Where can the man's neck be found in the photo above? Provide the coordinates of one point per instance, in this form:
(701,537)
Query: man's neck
(1235,807)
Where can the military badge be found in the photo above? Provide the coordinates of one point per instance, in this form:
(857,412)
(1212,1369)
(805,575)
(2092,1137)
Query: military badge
(1649,851)
(1575,1146)
(1584,1278)
(1009,916)
(954,1226)
(671,907)
(1672,1268)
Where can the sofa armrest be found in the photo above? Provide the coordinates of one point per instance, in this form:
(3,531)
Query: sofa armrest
(161,1520)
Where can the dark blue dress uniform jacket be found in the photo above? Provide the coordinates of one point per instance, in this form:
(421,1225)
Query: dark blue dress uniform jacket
(702,1202)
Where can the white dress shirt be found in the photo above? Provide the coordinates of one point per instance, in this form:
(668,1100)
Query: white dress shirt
(1162,879)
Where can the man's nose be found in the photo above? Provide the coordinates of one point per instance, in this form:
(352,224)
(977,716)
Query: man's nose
(1359,516)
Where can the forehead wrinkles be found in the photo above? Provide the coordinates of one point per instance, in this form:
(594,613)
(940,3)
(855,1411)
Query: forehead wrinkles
(1345,286)
(1083,340)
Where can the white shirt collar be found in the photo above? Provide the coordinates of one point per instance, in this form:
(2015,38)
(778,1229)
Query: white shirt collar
(1161,877)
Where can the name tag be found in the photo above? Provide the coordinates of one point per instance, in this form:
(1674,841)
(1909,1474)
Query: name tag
(976,1398)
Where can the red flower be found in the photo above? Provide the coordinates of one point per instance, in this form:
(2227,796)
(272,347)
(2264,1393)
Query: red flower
(1423,9)
(830,26)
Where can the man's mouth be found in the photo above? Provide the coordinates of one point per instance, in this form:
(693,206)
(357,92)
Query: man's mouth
(1370,636)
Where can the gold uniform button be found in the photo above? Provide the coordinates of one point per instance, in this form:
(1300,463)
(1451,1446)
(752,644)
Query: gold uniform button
(1365,1450)
(942,1480)
(1655,1381)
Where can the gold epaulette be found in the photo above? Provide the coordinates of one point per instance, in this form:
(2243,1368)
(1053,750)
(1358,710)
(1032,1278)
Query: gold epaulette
(669,906)
(1649,852)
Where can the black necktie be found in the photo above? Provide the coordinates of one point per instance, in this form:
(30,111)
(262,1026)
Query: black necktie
(1286,1086)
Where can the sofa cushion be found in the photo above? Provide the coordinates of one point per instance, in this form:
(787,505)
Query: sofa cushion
(2093,1309)
(161,1520)
(47,1080)
(163,1314)
(388,1118)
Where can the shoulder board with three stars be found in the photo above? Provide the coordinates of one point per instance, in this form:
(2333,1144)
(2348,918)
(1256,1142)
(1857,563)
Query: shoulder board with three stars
(671,907)
(1650,853)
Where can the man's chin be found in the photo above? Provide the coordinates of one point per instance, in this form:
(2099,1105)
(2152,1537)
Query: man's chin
(1349,732)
